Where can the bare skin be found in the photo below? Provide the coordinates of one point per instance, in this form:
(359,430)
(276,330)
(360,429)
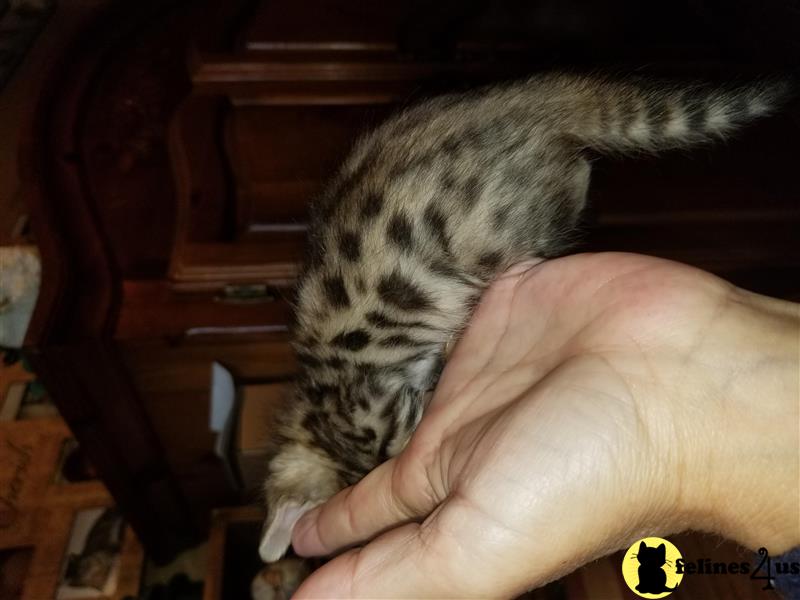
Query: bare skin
(594,400)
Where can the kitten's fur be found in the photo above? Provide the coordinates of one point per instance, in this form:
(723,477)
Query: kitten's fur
(424,213)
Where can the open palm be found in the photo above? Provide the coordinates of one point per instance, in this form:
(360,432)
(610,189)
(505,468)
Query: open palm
(558,433)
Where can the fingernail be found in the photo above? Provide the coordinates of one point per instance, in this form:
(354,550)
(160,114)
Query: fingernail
(304,537)
(308,519)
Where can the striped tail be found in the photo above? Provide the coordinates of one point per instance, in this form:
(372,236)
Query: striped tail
(648,117)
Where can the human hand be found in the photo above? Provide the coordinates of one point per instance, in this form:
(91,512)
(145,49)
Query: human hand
(593,400)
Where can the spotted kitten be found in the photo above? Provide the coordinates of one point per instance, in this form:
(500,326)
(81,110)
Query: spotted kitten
(424,213)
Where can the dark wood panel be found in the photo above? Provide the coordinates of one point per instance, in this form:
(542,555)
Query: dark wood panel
(189,439)
(153,310)
(70,337)
(122,144)
(275,149)
(159,367)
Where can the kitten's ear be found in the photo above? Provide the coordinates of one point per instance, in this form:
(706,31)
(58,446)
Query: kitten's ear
(277,533)
(642,547)
(662,549)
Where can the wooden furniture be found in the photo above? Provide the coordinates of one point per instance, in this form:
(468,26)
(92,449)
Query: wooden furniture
(232,543)
(38,511)
(174,149)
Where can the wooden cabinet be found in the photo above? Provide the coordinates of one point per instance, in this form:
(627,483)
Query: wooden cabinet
(268,121)
(172,155)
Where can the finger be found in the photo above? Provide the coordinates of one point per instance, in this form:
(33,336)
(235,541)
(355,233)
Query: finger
(429,560)
(402,563)
(383,569)
(486,328)
(385,498)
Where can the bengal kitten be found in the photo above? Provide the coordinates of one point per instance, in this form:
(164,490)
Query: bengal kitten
(423,214)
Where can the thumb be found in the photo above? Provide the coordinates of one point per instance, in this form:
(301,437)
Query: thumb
(392,566)
(427,560)
(391,494)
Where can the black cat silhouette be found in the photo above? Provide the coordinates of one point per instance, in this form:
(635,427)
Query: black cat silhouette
(652,578)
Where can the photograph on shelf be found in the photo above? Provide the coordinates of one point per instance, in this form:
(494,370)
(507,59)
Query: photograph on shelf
(92,558)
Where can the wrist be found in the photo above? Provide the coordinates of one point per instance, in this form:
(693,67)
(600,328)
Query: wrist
(748,479)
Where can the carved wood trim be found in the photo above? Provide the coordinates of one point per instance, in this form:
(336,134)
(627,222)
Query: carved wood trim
(70,336)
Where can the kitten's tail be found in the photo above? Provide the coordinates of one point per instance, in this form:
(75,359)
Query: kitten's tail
(629,117)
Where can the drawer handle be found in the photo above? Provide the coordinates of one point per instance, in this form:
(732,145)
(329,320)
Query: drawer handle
(245,294)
